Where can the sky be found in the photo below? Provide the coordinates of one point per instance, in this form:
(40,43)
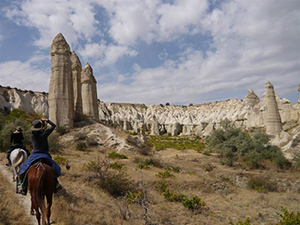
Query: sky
(157,51)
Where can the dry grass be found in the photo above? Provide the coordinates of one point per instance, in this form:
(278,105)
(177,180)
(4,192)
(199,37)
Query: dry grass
(11,212)
(223,189)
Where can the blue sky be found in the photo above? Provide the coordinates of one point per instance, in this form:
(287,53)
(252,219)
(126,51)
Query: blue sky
(157,51)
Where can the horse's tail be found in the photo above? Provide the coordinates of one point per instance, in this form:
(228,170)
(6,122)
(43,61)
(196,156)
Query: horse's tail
(17,157)
(38,185)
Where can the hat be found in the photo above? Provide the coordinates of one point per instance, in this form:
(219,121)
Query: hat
(36,125)
(19,128)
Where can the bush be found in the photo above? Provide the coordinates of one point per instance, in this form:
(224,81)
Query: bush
(81,146)
(193,203)
(116,166)
(115,155)
(116,183)
(262,184)
(53,142)
(60,160)
(288,218)
(165,175)
(233,144)
(62,130)
(296,163)
(247,222)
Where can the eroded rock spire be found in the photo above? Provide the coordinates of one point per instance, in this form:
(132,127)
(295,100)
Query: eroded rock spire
(273,120)
(61,100)
(89,93)
(76,76)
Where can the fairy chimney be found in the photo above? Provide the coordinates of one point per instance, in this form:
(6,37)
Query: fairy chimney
(251,99)
(76,76)
(89,93)
(60,99)
(299,93)
(273,120)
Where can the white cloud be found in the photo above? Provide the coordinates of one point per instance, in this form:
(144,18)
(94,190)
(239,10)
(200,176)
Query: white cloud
(75,19)
(24,75)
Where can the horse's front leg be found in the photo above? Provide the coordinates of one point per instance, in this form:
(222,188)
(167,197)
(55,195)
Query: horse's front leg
(14,174)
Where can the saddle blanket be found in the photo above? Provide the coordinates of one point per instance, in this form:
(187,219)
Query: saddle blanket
(46,158)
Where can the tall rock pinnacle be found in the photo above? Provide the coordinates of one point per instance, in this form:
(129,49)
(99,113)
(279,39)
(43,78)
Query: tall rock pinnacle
(89,93)
(60,99)
(76,76)
(273,120)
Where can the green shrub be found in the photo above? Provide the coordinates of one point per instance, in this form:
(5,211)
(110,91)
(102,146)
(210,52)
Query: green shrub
(179,143)
(165,175)
(116,166)
(115,155)
(60,160)
(173,197)
(288,218)
(296,163)
(162,186)
(81,146)
(246,222)
(262,184)
(233,143)
(62,130)
(53,142)
(174,169)
(116,183)
(193,203)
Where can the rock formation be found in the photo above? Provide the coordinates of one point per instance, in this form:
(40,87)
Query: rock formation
(76,76)
(251,99)
(89,93)
(61,99)
(299,93)
(273,120)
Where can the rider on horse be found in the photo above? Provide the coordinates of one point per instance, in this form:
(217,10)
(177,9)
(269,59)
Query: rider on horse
(39,139)
(16,139)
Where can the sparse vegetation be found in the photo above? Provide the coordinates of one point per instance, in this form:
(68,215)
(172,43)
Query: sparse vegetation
(288,218)
(179,143)
(62,130)
(233,144)
(81,146)
(246,222)
(165,174)
(115,155)
(193,203)
(262,184)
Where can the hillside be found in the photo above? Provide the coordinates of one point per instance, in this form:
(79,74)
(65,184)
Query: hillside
(224,189)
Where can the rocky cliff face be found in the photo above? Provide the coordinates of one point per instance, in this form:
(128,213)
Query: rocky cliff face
(28,101)
(250,113)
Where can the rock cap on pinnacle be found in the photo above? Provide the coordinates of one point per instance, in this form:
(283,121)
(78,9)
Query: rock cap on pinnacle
(75,61)
(87,74)
(59,46)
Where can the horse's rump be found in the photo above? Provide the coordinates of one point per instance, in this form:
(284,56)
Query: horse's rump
(40,178)
(17,157)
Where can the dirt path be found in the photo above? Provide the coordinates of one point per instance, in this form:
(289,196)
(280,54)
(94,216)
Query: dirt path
(24,200)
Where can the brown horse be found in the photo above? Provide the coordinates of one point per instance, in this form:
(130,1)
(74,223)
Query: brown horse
(41,184)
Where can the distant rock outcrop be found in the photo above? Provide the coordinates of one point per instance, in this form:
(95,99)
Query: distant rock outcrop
(273,120)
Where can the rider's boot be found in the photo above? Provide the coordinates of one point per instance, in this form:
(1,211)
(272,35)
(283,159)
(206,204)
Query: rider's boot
(8,162)
(58,187)
(24,190)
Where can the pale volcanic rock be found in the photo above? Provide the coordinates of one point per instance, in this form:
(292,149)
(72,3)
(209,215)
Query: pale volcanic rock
(61,99)
(76,77)
(89,93)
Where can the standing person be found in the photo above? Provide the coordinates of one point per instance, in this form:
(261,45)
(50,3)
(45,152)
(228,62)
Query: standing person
(39,139)
(16,140)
